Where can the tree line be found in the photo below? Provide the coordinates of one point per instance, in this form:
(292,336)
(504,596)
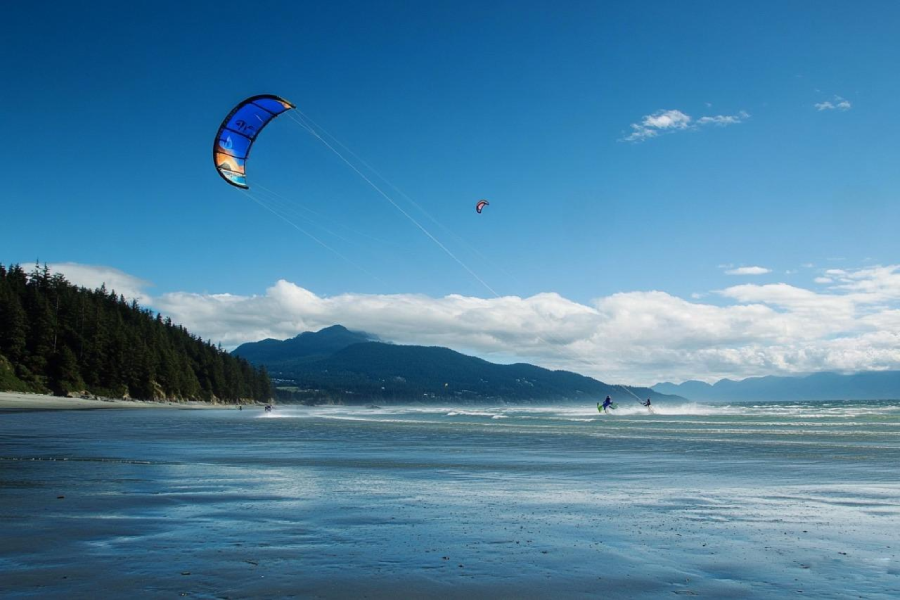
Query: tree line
(66,339)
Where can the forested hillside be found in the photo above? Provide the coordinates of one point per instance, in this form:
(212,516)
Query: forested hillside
(61,338)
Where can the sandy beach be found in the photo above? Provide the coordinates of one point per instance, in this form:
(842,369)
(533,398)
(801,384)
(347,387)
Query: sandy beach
(19,402)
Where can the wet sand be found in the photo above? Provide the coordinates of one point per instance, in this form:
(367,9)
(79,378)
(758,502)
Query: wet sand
(343,502)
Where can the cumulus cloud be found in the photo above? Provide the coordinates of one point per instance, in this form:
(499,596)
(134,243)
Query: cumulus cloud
(851,324)
(748,271)
(837,103)
(872,284)
(93,276)
(670,121)
(638,337)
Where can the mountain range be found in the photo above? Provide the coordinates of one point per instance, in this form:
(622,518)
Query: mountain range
(873,385)
(342,366)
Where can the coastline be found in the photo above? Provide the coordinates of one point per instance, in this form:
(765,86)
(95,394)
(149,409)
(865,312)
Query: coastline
(12,402)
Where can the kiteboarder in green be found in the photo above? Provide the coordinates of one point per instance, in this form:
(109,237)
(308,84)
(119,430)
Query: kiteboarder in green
(606,405)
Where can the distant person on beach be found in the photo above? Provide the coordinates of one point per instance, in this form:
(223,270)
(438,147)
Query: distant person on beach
(606,404)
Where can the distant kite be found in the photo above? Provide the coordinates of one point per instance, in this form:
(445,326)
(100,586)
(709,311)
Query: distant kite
(480,206)
(238,132)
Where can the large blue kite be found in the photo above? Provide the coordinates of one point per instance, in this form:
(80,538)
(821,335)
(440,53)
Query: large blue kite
(238,132)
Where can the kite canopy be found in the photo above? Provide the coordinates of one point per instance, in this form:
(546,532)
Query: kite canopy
(480,206)
(238,132)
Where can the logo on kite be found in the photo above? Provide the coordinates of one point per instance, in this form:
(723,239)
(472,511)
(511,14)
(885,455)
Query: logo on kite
(480,206)
(227,144)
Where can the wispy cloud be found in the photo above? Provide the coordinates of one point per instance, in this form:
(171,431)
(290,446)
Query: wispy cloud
(748,271)
(671,121)
(837,103)
(638,337)
(723,120)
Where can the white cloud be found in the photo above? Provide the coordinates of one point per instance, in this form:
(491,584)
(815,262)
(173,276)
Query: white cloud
(838,103)
(823,280)
(723,120)
(93,276)
(661,121)
(810,306)
(634,337)
(670,121)
(878,284)
(748,271)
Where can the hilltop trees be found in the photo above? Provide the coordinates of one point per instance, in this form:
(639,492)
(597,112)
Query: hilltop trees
(59,337)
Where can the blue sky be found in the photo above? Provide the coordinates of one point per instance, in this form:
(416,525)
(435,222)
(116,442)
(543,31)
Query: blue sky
(111,108)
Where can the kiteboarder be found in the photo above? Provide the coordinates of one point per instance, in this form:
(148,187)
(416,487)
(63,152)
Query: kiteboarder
(606,404)
(647,404)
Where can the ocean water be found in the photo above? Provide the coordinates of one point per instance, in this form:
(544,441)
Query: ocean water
(762,500)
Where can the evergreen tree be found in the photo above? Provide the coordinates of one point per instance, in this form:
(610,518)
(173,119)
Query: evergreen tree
(64,374)
(13,327)
(263,385)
